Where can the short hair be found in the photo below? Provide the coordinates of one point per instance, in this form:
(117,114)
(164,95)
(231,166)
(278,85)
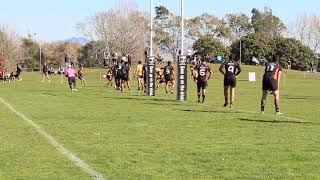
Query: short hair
(139,62)
(169,63)
(275,58)
(232,57)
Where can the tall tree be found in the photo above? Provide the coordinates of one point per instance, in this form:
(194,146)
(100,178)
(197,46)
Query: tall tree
(123,29)
(267,23)
(306,29)
(167,31)
(208,45)
(207,25)
(9,47)
(31,52)
(256,45)
(239,23)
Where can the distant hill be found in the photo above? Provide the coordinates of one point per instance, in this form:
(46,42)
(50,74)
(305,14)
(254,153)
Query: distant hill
(79,40)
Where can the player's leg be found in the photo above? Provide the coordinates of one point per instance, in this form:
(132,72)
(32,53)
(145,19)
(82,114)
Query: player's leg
(47,76)
(129,85)
(139,83)
(122,85)
(74,84)
(172,86)
(167,86)
(263,100)
(70,84)
(203,94)
(198,91)
(277,101)
(225,89)
(232,90)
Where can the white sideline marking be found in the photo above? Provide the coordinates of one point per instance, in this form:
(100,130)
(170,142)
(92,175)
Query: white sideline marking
(70,155)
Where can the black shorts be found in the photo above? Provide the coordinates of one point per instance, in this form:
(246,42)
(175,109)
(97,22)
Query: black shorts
(202,84)
(269,84)
(230,81)
(168,78)
(72,80)
(125,78)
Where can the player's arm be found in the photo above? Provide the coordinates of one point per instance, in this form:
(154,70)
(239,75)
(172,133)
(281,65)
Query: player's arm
(239,69)
(279,76)
(173,74)
(221,68)
(210,72)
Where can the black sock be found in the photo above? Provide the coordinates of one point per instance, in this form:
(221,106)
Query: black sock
(203,97)
(199,97)
(277,110)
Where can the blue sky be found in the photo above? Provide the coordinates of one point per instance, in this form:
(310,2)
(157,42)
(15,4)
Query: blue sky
(56,19)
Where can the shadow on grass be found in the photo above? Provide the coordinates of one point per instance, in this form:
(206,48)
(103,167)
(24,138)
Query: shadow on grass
(208,111)
(275,121)
(297,98)
(49,94)
(141,98)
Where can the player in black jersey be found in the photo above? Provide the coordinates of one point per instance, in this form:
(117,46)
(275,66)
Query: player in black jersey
(230,69)
(125,77)
(169,76)
(203,74)
(271,82)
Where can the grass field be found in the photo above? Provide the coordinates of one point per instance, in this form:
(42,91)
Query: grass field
(131,136)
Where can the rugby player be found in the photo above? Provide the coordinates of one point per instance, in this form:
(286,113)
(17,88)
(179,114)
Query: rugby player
(271,82)
(81,76)
(71,74)
(230,69)
(139,75)
(203,74)
(125,76)
(169,77)
(45,72)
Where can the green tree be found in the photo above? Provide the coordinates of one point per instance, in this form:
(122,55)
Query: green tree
(254,45)
(265,22)
(31,52)
(167,30)
(259,45)
(92,54)
(239,23)
(207,25)
(209,45)
(301,56)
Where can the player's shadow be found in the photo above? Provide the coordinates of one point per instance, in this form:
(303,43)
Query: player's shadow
(208,111)
(49,94)
(274,121)
(138,98)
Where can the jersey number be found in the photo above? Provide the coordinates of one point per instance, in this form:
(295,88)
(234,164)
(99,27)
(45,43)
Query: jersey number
(168,71)
(270,68)
(202,72)
(231,69)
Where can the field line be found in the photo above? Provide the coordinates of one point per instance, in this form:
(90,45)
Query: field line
(70,155)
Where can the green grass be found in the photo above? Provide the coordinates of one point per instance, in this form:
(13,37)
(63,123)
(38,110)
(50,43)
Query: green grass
(131,136)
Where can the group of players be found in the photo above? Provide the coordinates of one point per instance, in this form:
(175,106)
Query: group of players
(201,73)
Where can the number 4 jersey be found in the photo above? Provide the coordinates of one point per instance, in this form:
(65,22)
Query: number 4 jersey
(232,68)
